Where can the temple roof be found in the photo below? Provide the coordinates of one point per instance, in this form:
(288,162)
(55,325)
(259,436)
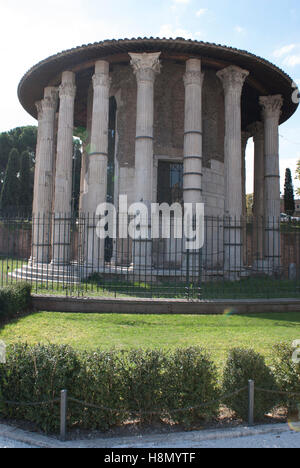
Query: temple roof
(265,77)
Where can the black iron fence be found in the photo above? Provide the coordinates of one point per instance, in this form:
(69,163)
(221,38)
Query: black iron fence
(245,258)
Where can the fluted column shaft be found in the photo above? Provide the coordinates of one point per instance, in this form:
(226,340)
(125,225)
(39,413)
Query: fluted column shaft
(97,166)
(233,79)
(272,106)
(43,180)
(146,66)
(63,178)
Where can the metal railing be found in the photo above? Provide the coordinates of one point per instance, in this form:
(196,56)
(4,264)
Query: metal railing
(224,398)
(240,258)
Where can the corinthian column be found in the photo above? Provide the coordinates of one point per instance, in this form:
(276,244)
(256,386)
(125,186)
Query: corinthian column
(257,130)
(192,176)
(97,168)
(192,172)
(233,79)
(272,106)
(43,180)
(63,178)
(146,66)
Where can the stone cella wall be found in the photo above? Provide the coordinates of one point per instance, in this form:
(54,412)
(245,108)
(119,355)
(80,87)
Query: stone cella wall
(169,96)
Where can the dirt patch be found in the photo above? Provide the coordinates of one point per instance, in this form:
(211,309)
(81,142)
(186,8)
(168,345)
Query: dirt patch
(133,428)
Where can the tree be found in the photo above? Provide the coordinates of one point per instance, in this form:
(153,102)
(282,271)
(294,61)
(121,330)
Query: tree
(25,181)
(298,176)
(10,188)
(249,203)
(21,138)
(289,198)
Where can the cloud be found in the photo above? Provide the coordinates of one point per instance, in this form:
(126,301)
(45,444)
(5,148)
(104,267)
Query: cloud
(289,54)
(181,2)
(240,30)
(292,60)
(201,12)
(284,50)
(167,30)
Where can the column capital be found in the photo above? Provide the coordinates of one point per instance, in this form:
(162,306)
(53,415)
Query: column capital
(101,79)
(233,78)
(101,76)
(146,66)
(67,90)
(67,87)
(193,74)
(257,130)
(50,98)
(271,106)
(193,77)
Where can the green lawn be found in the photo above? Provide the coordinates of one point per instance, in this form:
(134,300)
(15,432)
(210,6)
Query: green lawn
(215,333)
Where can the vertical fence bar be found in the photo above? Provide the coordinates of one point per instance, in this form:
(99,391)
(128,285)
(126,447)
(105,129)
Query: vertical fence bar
(63,414)
(251,392)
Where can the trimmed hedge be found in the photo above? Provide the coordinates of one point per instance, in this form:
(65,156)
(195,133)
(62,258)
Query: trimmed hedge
(287,374)
(191,380)
(37,374)
(145,385)
(244,365)
(14,300)
(129,383)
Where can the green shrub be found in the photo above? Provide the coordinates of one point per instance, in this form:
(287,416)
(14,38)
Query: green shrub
(244,365)
(144,384)
(287,374)
(14,300)
(38,374)
(102,386)
(190,380)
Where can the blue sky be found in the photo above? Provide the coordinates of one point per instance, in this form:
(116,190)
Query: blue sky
(32,30)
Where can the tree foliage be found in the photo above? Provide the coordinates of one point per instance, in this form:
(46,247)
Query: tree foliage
(289,197)
(17,172)
(298,176)
(10,187)
(22,139)
(25,181)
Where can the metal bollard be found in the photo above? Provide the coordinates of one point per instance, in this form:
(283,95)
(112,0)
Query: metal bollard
(251,402)
(63,414)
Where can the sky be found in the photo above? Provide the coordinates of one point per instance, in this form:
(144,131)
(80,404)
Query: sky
(32,30)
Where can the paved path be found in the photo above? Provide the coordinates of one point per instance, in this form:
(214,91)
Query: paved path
(7,443)
(286,439)
(267,436)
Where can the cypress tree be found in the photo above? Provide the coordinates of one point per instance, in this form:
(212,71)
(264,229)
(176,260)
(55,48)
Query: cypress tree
(10,188)
(289,197)
(298,175)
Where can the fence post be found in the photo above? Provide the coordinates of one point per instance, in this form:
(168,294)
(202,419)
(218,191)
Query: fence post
(63,414)
(251,402)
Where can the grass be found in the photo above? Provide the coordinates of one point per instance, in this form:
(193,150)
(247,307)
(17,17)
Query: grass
(217,334)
